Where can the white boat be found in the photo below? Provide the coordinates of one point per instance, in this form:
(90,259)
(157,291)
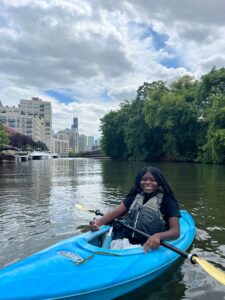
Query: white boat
(39,155)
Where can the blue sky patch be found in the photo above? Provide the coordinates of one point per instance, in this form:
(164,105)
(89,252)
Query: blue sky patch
(159,40)
(62,96)
(104,96)
(171,62)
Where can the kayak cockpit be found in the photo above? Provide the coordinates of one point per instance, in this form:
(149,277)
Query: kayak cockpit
(102,240)
(99,241)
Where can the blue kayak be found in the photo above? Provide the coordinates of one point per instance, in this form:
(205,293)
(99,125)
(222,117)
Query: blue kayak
(80,268)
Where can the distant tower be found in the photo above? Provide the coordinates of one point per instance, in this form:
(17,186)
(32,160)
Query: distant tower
(75,123)
(74,135)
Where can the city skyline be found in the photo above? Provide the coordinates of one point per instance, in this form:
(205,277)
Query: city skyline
(33,118)
(54,131)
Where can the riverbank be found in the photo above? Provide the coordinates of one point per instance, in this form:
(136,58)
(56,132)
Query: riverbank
(15,156)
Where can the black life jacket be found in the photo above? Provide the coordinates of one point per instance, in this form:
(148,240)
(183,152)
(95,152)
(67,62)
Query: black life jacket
(146,217)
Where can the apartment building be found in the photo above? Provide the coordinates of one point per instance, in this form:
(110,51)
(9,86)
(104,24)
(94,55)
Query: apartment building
(6,109)
(60,146)
(62,136)
(43,110)
(27,124)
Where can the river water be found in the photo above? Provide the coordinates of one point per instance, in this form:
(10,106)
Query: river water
(37,209)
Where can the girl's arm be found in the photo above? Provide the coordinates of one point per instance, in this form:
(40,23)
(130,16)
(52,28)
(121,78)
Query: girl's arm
(118,211)
(171,234)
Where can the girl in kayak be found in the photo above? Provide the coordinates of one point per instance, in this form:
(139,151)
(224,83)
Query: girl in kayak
(150,206)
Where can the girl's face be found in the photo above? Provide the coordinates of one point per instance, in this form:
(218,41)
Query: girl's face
(148,183)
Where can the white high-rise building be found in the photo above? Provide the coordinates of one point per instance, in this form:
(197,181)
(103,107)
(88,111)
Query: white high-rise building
(83,143)
(60,146)
(43,109)
(91,142)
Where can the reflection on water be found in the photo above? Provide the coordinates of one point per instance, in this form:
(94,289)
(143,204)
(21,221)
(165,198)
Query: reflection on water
(37,209)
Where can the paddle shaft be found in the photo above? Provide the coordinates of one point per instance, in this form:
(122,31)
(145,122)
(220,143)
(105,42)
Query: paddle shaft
(162,243)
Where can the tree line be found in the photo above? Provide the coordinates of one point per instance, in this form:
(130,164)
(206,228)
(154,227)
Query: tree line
(184,121)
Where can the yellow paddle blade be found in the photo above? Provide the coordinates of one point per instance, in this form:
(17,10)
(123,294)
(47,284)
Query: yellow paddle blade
(211,270)
(80,206)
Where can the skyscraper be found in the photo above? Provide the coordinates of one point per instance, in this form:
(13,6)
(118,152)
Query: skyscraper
(74,135)
(75,123)
(82,143)
(91,142)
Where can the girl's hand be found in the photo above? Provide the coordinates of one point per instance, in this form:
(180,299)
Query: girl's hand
(94,225)
(152,243)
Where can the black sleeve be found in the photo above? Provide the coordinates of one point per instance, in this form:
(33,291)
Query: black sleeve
(170,208)
(128,201)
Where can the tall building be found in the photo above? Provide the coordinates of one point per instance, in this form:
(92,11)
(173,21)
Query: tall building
(62,136)
(60,146)
(74,135)
(91,142)
(83,143)
(43,109)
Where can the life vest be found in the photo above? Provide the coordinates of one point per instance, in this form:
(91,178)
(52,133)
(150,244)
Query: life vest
(146,217)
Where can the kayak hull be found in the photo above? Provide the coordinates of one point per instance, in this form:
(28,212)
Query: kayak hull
(78,268)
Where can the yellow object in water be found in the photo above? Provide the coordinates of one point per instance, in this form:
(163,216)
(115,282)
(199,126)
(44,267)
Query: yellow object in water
(211,270)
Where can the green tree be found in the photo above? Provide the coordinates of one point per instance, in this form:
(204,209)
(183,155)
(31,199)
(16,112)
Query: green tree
(74,154)
(4,139)
(186,86)
(154,90)
(214,148)
(173,112)
(40,145)
(125,133)
(112,128)
(143,142)
(21,141)
(211,84)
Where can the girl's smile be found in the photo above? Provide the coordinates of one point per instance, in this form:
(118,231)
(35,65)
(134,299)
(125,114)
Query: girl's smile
(148,183)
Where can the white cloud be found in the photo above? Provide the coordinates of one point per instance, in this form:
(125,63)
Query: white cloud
(102,51)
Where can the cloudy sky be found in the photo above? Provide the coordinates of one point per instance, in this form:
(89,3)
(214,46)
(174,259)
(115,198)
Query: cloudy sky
(86,57)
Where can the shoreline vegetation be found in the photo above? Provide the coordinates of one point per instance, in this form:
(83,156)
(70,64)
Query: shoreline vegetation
(180,122)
